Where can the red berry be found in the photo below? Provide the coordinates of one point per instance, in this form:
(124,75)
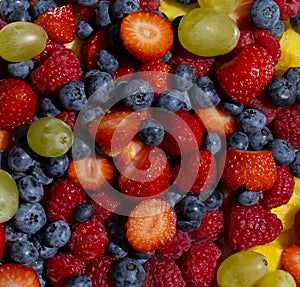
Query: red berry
(288,8)
(149,5)
(69,117)
(290,259)
(2,241)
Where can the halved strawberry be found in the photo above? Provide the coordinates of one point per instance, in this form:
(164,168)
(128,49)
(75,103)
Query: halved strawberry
(290,259)
(151,225)
(254,169)
(147,36)
(92,173)
(18,275)
(2,241)
(59,23)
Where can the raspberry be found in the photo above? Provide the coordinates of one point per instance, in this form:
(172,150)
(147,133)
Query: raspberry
(62,267)
(64,197)
(288,8)
(89,240)
(250,226)
(180,243)
(199,265)
(282,190)
(211,227)
(297,224)
(69,117)
(162,272)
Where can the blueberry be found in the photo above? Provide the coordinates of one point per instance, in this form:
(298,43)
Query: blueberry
(48,108)
(30,217)
(19,15)
(30,189)
(45,251)
(214,201)
(20,134)
(56,166)
(84,30)
(102,13)
(23,252)
(80,149)
(295,22)
(138,94)
(213,143)
(140,257)
(188,225)
(295,165)
(278,29)
(88,114)
(19,159)
(187,104)
(38,172)
(106,61)
(283,152)
(4,160)
(114,39)
(259,139)
(72,96)
(204,94)
(37,266)
(122,8)
(117,227)
(79,280)
(57,233)
(168,55)
(84,212)
(186,2)
(293,75)
(117,249)
(191,208)
(161,14)
(171,100)
(281,92)
(264,14)
(184,77)
(238,140)
(251,120)
(175,25)
(42,6)
(231,107)
(151,132)
(246,197)
(8,6)
(86,2)
(20,70)
(13,235)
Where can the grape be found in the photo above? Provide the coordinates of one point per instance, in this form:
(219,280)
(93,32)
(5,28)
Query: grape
(242,269)
(50,137)
(9,196)
(223,6)
(206,32)
(277,278)
(21,41)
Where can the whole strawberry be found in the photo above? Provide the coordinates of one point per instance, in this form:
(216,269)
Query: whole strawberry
(17,103)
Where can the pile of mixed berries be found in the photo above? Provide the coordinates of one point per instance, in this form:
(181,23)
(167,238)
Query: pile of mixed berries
(174,155)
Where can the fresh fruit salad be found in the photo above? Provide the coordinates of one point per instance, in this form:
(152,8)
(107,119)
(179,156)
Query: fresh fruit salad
(149,143)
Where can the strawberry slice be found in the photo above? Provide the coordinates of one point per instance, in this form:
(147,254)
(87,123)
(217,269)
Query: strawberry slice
(147,36)
(18,275)
(59,23)
(254,169)
(91,173)
(290,260)
(151,225)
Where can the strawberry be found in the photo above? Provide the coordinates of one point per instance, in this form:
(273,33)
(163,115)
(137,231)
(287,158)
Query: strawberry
(146,36)
(288,8)
(59,23)
(196,172)
(250,226)
(151,225)
(183,132)
(60,68)
(18,275)
(127,66)
(2,241)
(254,169)
(290,259)
(17,103)
(91,173)
(149,5)
(114,130)
(247,74)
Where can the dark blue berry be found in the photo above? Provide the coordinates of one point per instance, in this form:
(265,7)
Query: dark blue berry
(251,120)
(41,280)
(80,149)
(214,201)
(264,14)
(117,227)
(88,114)
(188,225)
(114,39)
(186,2)
(102,13)
(140,257)
(171,100)
(138,94)
(80,280)
(57,233)
(175,24)
(45,251)
(72,96)
(83,212)
(295,165)
(167,56)
(238,140)
(259,139)
(86,2)
(8,6)
(84,30)
(278,29)
(19,15)
(232,107)
(4,160)
(19,159)
(151,132)
(122,8)
(30,189)
(283,152)
(106,61)
(281,92)
(293,75)
(23,252)
(246,197)
(204,94)
(213,143)
(187,104)
(20,134)
(295,22)
(56,166)
(191,208)
(184,77)
(20,70)
(48,108)
(38,172)
(30,217)
(13,235)
(37,266)
(42,6)
(117,249)
(162,14)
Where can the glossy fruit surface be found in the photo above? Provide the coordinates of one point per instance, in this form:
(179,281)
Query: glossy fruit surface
(277,278)
(225,7)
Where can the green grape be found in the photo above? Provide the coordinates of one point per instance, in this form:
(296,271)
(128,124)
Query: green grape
(21,41)
(206,32)
(50,137)
(9,196)
(277,278)
(242,269)
(223,6)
